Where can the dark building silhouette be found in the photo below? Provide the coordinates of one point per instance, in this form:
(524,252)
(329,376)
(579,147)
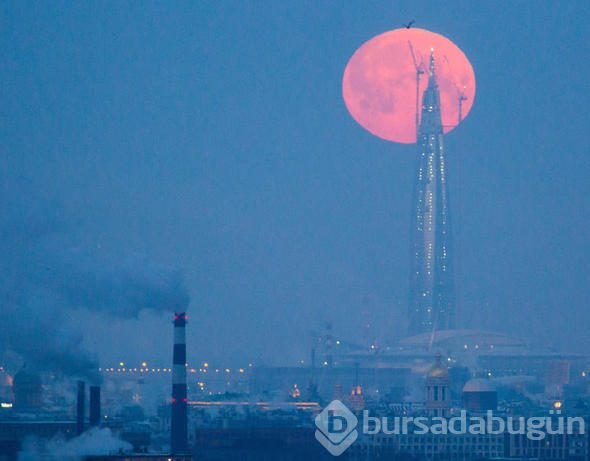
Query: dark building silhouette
(480,395)
(27,390)
(94,416)
(432,300)
(80,407)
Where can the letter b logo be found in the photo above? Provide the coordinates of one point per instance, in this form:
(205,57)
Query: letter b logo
(336,424)
(336,428)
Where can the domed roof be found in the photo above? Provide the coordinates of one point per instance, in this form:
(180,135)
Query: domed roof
(479,385)
(438,370)
(457,339)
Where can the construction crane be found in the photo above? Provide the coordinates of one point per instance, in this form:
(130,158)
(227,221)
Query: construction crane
(462,98)
(419,72)
(460,92)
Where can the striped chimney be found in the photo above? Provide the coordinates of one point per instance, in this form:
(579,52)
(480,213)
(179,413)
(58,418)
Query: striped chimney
(178,433)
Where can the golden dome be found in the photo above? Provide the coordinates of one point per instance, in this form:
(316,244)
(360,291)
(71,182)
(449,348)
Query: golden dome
(438,370)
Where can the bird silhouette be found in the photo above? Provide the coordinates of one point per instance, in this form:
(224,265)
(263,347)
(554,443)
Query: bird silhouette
(409,24)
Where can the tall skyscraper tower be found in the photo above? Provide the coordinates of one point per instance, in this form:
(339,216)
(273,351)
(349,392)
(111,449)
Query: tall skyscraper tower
(432,299)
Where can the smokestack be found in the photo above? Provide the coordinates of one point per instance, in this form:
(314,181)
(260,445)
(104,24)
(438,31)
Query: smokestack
(94,405)
(178,433)
(80,407)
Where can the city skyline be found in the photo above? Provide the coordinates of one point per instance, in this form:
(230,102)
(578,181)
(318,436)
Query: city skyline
(270,230)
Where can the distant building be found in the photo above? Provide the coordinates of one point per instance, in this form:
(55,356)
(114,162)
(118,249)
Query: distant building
(438,395)
(279,381)
(418,447)
(356,401)
(259,442)
(480,395)
(432,297)
(573,447)
(27,390)
(558,376)
(461,447)
(489,353)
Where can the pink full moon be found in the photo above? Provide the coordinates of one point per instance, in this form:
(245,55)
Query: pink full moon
(379,82)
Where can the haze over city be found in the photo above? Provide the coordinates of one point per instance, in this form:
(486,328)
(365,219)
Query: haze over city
(204,140)
(202,157)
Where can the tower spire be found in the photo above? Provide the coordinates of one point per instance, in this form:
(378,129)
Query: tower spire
(431,67)
(431,301)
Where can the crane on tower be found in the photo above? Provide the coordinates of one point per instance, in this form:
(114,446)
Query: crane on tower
(460,94)
(462,98)
(419,72)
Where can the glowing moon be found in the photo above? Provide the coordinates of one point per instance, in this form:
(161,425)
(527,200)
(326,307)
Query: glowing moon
(379,83)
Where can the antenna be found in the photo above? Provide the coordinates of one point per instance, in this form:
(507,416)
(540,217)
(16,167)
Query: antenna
(419,71)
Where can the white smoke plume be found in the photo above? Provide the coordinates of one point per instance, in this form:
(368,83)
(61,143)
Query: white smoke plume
(95,441)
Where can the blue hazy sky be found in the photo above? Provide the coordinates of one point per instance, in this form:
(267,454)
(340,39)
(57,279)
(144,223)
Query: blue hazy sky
(212,137)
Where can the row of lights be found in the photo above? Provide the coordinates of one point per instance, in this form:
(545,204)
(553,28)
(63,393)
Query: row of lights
(135,370)
(217,370)
(145,369)
(160,370)
(465,346)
